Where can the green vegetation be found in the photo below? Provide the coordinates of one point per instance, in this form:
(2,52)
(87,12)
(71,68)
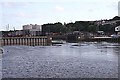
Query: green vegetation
(83,26)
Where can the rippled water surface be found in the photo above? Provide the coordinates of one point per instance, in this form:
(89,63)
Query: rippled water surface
(69,60)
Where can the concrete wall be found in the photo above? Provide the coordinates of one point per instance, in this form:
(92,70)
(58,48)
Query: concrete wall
(30,41)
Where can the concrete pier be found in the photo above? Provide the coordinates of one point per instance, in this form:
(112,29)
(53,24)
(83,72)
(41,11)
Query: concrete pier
(30,41)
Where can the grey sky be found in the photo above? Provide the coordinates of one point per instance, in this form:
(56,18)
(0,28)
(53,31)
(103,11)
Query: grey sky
(19,12)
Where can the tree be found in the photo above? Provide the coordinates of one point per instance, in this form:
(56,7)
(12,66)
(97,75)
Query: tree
(92,28)
(108,28)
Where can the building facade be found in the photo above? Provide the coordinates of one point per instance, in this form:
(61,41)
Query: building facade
(32,30)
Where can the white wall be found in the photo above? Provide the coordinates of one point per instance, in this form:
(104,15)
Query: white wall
(32,27)
(27,27)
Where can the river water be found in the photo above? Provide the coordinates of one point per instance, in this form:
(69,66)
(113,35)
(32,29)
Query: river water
(69,60)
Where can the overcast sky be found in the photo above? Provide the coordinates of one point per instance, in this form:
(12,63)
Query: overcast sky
(17,13)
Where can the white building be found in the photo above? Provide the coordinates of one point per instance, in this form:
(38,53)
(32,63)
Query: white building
(32,30)
(27,27)
(32,27)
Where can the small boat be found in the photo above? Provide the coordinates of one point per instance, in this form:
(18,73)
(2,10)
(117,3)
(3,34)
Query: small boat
(58,42)
(56,45)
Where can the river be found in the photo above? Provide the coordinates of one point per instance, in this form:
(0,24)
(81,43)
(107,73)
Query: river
(69,60)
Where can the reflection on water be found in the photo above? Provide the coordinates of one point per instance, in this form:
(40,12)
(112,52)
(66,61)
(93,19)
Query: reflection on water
(69,60)
(86,49)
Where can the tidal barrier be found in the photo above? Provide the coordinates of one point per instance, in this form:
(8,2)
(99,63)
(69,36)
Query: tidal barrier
(29,41)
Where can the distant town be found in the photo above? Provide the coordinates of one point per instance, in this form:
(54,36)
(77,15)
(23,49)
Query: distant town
(85,28)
